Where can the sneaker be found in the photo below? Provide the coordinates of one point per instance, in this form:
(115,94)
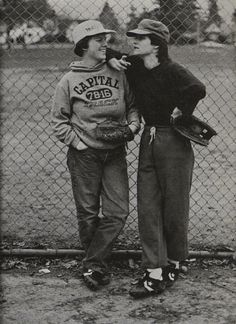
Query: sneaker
(93,279)
(147,286)
(170,274)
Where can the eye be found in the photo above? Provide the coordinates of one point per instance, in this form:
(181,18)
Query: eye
(140,37)
(100,39)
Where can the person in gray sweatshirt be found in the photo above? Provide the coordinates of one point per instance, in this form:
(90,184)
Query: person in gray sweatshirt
(89,94)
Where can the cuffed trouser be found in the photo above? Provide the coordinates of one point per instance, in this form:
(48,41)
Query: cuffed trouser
(164,181)
(99,174)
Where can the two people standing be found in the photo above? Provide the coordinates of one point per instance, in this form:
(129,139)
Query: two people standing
(163,90)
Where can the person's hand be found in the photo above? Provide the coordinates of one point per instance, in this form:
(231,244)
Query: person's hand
(81,146)
(176,113)
(119,65)
(133,128)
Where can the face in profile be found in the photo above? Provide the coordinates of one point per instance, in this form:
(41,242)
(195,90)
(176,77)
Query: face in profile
(142,45)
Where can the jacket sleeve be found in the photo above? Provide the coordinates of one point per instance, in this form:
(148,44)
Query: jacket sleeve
(189,89)
(61,115)
(133,59)
(132,114)
(110,53)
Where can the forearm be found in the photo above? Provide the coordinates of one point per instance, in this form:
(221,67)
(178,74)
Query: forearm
(132,113)
(63,130)
(61,118)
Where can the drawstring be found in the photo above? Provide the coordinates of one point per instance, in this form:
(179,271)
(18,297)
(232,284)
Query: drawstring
(152,134)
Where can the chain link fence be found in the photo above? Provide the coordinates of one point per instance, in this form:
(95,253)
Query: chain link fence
(37,207)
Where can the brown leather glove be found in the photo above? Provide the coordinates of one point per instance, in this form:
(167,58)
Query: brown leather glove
(114,132)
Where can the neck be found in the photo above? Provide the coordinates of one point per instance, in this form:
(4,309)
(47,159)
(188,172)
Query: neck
(151,61)
(90,61)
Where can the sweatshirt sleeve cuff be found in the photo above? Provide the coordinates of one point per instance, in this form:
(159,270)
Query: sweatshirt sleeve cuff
(75,142)
(136,124)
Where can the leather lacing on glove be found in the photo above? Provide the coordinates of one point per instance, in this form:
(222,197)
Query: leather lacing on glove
(114,132)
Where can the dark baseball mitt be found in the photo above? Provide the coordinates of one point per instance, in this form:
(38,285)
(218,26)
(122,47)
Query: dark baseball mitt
(114,132)
(194,129)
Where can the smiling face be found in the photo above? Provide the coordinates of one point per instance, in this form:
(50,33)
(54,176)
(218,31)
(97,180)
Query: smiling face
(97,46)
(142,45)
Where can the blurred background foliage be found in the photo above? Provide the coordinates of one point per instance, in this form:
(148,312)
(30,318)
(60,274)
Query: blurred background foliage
(35,21)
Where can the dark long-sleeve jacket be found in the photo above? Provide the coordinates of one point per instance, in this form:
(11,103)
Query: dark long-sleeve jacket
(159,90)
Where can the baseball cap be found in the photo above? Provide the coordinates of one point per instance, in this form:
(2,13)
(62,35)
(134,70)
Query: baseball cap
(151,27)
(89,28)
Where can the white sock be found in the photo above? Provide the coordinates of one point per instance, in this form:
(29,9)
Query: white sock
(155,273)
(176,263)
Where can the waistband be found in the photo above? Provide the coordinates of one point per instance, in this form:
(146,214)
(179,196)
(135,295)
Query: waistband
(147,127)
(152,131)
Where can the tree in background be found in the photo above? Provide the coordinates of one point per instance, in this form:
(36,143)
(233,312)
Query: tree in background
(187,15)
(213,16)
(108,17)
(38,10)
(133,18)
(11,12)
(234,28)
(21,15)
(179,15)
(168,14)
(19,11)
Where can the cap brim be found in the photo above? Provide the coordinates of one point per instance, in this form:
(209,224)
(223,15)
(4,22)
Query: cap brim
(110,31)
(104,31)
(137,31)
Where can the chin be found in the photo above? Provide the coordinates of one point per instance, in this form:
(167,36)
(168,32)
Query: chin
(102,56)
(138,52)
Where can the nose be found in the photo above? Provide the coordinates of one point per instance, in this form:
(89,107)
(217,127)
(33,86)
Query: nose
(134,41)
(104,42)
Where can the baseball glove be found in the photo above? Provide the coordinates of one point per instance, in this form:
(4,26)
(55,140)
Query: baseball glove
(114,132)
(194,129)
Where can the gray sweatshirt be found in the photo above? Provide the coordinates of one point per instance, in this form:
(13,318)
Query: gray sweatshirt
(85,97)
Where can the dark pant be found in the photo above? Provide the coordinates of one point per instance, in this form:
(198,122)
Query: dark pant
(95,175)
(164,181)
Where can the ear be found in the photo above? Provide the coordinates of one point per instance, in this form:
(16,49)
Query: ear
(155,49)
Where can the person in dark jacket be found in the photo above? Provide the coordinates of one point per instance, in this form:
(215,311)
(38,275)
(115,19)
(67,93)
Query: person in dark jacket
(164,90)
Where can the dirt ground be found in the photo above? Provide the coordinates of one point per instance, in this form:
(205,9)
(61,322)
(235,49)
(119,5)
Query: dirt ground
(203,294)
